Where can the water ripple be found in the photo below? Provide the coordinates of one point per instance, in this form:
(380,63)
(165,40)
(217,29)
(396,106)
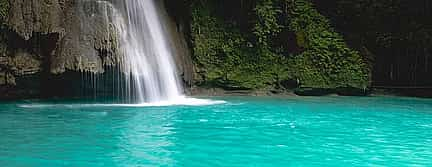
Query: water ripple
(232,132)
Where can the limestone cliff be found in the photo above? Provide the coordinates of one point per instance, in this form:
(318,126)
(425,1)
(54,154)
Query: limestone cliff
(40,38)
(45,39)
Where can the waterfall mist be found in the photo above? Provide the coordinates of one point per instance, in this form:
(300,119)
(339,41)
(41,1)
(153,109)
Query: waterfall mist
(147,59)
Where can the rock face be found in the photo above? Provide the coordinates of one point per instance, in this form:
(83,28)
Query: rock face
(43,39)
(72,34)
(29,17)
(178,29)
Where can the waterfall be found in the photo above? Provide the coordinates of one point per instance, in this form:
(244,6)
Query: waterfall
(147,59)
(145,74)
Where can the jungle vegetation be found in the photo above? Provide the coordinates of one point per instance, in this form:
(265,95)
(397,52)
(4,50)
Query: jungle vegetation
(256,44)
(271,43)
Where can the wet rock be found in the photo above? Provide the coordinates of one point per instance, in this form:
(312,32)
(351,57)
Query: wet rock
(90,41)
(28,16)
(80,32)
(350,91)
(178,30)
(2,78)
(23,63)
(313,91)
(50,37)
(10,79)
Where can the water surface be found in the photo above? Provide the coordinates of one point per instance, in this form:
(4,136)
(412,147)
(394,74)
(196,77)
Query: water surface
(244,131)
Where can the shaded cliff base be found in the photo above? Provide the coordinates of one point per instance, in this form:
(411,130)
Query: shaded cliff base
(110,85)
(70,84)
(419,92)
(410,92)
(87,86)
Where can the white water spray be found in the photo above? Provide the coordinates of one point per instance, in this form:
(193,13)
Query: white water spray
(147,60)
(147,73)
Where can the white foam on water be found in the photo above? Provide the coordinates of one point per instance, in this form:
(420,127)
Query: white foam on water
(185,101)
(36,105)
(179,102)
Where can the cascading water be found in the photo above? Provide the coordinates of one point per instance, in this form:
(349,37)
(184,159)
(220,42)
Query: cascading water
(147,61)
(147,74)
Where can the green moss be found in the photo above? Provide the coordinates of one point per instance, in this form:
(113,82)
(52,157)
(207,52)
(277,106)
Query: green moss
(4,10)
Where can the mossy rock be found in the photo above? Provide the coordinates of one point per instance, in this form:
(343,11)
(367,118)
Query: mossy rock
(4,11)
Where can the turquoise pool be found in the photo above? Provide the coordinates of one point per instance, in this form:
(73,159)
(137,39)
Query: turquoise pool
(243,131)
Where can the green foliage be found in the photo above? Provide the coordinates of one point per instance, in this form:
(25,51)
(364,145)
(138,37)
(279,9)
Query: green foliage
(392,35)
(267,21)
(4,10)
(301,39)
(225,56)
(327,62)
